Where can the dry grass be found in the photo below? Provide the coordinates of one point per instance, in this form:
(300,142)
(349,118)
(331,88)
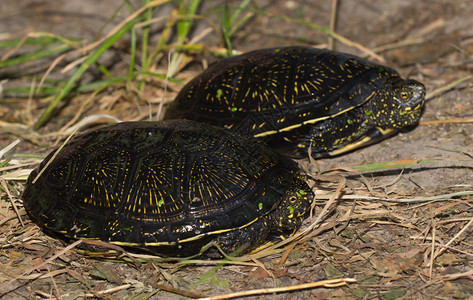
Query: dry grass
(366,238)
(394,246)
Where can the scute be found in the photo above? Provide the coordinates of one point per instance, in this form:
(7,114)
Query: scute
(160,184)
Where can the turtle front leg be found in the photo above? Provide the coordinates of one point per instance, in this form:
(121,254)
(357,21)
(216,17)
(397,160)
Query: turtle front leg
(242,240)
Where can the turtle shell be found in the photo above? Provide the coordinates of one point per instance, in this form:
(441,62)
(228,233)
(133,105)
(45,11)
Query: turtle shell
(297,98)
(172,186)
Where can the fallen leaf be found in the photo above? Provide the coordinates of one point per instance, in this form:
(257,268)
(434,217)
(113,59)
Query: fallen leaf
(448,259)
(261,273)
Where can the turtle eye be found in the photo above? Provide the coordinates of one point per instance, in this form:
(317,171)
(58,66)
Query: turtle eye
(292,199)
(404,95)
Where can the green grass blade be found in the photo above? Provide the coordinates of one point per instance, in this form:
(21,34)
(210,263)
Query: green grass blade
(231,22)
(47,40)
(397,164)
(183,27)
(39,38)
(51,90)
(131,66)
(225,23)
(235,25)
(163,76)
(24,91)
(35,55)
(184,24)
(148,14)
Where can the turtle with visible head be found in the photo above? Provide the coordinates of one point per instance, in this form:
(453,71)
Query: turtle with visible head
(299,97)
(174,187)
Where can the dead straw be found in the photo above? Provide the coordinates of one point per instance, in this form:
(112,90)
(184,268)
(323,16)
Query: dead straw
(401,200)
(448,121)
(333,23)
(71,246)
(12,201)
(331,283)
(447,87)
(442,248)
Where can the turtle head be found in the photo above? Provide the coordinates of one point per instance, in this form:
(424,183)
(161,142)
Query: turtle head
(398,104)
(293,207)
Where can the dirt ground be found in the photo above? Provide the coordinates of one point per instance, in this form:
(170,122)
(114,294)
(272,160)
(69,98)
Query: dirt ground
(387,246)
